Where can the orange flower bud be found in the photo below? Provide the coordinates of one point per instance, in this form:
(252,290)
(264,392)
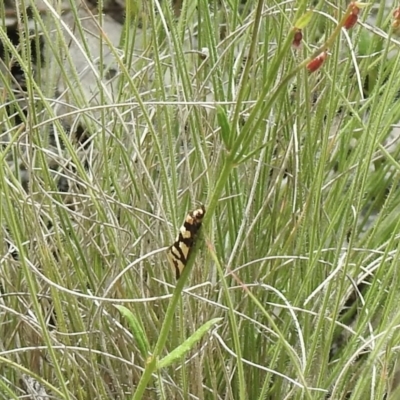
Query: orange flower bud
(396,16)
(350,21)
(354,8)
(316,62)
(298,37)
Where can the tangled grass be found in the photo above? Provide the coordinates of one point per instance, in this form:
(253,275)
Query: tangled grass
(116,133)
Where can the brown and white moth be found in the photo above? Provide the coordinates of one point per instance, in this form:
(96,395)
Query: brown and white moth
(178,253)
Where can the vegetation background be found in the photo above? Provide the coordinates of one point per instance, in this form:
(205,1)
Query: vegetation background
(113,129)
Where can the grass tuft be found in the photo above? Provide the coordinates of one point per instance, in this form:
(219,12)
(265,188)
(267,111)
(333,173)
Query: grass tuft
(117,132)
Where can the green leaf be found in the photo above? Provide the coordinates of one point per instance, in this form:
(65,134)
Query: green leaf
(225,127)
(188,344)
(137,330)
(364,43)
(361,5)
(304,20)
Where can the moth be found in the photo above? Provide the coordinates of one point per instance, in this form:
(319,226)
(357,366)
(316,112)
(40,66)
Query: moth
(178,254)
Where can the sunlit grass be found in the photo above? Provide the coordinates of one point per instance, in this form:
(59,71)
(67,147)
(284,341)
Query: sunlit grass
(208,107)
